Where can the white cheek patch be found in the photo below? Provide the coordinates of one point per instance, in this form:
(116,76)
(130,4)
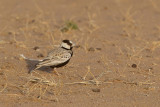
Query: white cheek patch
(65,45)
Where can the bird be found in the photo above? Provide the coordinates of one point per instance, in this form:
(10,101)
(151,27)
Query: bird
(58,56)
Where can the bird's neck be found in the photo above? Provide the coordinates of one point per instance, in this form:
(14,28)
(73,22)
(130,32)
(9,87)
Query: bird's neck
(66,48)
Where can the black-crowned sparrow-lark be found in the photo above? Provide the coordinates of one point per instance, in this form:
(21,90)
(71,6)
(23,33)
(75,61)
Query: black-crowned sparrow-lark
(57,56)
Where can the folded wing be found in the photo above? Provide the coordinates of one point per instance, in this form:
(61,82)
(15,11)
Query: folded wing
(55,60)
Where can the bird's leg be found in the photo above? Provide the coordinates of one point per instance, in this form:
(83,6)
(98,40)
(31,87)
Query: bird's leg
(56,72)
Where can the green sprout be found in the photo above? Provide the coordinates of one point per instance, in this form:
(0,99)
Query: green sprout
(69,25)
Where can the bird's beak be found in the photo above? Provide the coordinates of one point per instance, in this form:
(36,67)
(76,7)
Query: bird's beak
(73,44)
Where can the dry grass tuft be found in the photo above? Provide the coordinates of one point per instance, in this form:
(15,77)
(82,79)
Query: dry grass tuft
(94,81)
(43,81)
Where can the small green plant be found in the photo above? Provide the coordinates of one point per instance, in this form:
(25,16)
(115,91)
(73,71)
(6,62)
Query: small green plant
(69,25)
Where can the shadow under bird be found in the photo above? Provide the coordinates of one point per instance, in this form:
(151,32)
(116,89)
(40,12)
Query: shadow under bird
(57,56)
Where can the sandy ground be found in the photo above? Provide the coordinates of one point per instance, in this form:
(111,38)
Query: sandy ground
(115,63)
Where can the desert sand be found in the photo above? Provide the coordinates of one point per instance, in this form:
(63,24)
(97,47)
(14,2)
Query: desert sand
(115,62)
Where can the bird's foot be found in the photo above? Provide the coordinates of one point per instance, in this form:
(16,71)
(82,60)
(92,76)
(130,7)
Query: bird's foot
(56,72)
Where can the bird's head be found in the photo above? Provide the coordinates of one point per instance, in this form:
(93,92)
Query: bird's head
(67,44)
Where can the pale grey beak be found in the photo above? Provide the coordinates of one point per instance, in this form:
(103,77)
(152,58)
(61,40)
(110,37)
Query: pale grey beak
(73,44)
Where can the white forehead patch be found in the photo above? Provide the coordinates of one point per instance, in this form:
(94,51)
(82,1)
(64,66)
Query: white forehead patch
(71,42)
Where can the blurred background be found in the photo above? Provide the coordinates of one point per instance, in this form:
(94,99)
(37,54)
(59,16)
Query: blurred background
(115,61)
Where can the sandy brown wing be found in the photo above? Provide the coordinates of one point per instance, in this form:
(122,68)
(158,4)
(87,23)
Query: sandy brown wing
(56,52)
(55,60)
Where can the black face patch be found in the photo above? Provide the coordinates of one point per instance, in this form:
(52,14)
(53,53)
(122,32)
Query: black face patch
(68,42)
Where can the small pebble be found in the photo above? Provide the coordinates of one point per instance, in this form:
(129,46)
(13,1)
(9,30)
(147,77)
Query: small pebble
(1,73)
(99,61)
(134,66)
(96,90)
(77,46)
(91,49)
(99,49)
(32,21)
(36,48)
(10,33)
(40,55)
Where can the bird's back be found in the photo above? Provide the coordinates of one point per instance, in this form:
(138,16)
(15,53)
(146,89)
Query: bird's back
(55,57)
(58,52)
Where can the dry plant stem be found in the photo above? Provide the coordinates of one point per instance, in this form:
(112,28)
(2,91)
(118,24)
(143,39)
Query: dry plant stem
(103,73)
(25,31)
(93,81)
(120,50)
(5,84)
(3,29)
(31,89)
(138,83)
(84,77)
(89,71)
(39,84)
(18,87)
(50,35)
(104,62)
(86,45)
(91,21)
(45,90)
(18,43)
(146,83)
(11,94)
(25,85)
(155,5)
(89,83)
(42,80)
(137,53)
(40,91)
(4,87)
